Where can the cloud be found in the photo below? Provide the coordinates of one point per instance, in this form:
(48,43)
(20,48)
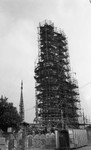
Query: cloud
(28,8)
(16,8)
(19,39)
(72,8)
(85,96)
(36,11)
(5,23)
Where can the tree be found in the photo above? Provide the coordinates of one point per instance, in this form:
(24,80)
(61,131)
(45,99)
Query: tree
(9,116)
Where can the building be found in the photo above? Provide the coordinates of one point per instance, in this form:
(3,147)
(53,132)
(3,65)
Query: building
(56,93)
(21,106)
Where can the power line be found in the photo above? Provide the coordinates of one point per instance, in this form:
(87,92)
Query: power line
(30,108)
(85,85)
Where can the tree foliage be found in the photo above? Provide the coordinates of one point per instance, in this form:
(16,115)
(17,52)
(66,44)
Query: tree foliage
(9,116)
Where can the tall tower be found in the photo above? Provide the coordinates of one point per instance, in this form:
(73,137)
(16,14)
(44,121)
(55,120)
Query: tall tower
(21,111)
(56,95)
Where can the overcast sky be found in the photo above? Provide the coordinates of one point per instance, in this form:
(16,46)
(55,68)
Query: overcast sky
(19,20)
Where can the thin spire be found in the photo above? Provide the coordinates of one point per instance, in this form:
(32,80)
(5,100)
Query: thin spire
(21,103)
(21,85)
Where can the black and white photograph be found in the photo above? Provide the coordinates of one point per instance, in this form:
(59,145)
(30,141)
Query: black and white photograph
(45,74)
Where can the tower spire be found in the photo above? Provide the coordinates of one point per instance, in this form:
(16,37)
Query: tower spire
(21,103)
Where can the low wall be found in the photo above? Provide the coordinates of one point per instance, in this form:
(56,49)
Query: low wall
(40,142)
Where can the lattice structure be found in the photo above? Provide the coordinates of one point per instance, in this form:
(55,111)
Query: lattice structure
(55,91)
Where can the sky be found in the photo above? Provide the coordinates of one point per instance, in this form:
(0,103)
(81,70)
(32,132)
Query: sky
(19,20)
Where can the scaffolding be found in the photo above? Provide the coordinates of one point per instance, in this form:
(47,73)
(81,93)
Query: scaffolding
(56,93)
